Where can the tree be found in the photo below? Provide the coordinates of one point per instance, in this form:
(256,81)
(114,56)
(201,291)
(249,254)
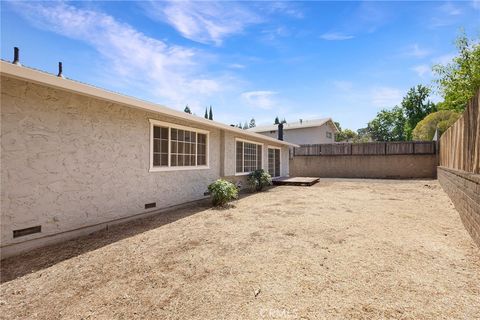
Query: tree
(337,124)
(346,135)
(210,115)
(277,121)
(363,135)
(206,113)
(441,120)
(187,109)
(388,125)
(284,121)
(459,80)
(252,123)
(416,107)
(245,126)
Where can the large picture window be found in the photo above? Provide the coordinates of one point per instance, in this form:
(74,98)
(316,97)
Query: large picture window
(177,147)
(248,156)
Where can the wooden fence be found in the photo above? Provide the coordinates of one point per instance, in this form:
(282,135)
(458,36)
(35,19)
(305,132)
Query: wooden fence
(368,148)
(460,144)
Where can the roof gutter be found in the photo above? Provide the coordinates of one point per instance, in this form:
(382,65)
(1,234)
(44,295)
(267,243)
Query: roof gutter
(43,78)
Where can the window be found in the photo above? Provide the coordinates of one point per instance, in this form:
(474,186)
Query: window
(274,161)
(248,156)
(177,147)
(329,135)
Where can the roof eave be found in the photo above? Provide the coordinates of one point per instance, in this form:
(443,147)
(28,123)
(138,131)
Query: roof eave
(43,78)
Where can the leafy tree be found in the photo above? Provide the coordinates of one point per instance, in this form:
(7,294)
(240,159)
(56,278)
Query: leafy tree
(337,124)
(347,135)
(206,113)
(210,115)
(459,80)
(363,135)
(388,125)
(252,123)
(277,121)
(441,120)
(187,109)
(415,107)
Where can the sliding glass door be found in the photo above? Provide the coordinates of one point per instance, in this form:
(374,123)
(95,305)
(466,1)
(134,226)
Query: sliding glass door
(274,162)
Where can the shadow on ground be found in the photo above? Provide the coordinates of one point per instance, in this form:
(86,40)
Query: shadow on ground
(37,259)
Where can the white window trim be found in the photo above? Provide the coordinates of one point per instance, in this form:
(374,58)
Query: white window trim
(279,154)
(180,127)
(249,141)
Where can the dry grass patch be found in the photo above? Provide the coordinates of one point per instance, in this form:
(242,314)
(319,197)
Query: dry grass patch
(340,249)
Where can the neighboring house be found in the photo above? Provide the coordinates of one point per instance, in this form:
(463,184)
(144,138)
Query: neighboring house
(76,158)
(302,132)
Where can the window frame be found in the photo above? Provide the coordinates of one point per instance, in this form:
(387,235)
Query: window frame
(243,166)
(171,126)
(279,160)
(329,135)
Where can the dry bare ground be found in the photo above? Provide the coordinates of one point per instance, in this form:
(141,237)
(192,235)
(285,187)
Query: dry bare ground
(362,249)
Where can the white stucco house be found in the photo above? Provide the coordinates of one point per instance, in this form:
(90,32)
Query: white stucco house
(76,158)
(302,132)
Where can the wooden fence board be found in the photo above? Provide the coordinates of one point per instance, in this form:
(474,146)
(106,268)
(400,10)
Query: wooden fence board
(400,148)
(368,148)
(460,144)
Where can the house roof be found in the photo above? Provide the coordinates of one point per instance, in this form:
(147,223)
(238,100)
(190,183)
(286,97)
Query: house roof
(44,78)
(296,125)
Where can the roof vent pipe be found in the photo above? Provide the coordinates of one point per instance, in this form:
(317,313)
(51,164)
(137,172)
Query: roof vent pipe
(280,131)
(60,70)
(16,56)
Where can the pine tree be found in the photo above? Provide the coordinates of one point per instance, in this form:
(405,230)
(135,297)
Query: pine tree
(252,123)
(187,109)
(210,116)
(245,126)
(206,113)
(276,120)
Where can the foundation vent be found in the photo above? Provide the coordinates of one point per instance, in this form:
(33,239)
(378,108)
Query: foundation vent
(26,231)
(150,205)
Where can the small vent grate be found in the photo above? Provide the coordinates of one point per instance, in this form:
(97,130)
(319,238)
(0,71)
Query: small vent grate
(150,205)
(26,231)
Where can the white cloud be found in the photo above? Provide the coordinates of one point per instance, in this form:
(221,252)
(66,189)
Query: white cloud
(421,70)
(416,51)
(385,97)
(343,85)
(204,22)
(336,36)
(476,4)
(260,99)
(447,14)
(444,59)
(168,71)
(450,9)
(236,66)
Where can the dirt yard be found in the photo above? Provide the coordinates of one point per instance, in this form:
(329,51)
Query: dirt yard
(361,249)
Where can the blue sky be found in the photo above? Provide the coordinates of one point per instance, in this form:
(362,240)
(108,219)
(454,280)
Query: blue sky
(344,60)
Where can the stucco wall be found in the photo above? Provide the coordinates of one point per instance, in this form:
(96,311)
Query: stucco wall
(70,162)
(312,135)
(229,165)
(463,188)
(365,166)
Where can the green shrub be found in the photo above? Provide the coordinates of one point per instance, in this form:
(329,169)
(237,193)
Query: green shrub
(222,191)
(258,179)
(441,120)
